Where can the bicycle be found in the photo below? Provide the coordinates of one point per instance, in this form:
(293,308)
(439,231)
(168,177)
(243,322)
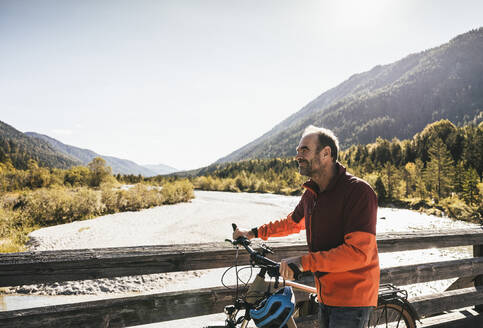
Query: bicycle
(393,309)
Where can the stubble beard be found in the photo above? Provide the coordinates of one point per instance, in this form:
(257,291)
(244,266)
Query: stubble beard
(308,170)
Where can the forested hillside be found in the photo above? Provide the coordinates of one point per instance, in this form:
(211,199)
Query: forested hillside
(17,149)
(84,156)
(439,170)
(395,100)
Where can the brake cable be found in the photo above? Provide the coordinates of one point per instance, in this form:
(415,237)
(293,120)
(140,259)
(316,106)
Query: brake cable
(236,270)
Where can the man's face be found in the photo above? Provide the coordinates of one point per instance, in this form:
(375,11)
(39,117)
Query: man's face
(307,157)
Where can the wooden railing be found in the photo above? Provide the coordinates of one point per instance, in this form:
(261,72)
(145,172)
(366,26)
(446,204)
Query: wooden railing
(57,266)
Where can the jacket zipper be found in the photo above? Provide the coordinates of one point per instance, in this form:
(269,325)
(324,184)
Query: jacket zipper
(311,214)
(311,221)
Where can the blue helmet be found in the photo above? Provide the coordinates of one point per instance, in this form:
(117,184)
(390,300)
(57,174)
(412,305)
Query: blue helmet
(274,311)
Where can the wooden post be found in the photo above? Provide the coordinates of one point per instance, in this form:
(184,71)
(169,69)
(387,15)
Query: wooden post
(478,252)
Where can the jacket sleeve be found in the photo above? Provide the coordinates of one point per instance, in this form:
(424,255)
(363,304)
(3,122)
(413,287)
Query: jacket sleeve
(281,228)
(293,223)
(359,248)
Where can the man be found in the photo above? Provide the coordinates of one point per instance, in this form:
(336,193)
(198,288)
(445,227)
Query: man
(338,212)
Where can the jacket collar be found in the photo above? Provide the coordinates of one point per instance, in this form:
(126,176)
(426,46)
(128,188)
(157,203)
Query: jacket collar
(314,187)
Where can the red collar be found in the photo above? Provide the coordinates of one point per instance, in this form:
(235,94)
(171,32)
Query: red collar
(314,187)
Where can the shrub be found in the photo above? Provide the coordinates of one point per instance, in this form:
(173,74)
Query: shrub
(110,199)
(229,185)
(77,176)
(458,209)
(20,214)
(13,235)
(178,191)
(53,206)
(138,197)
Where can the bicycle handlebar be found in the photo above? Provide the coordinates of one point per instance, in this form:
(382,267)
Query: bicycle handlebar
(273,268)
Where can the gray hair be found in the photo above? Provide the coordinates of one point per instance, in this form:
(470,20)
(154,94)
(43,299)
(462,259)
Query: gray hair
(326,138)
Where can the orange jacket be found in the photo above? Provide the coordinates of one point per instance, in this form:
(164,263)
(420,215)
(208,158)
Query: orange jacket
(340,224)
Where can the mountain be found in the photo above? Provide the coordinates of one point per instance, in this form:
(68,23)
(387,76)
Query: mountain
(20,148)
(84,156)
(394,100)
(160,169)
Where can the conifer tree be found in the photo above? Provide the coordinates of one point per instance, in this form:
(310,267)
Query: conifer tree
(473,149)
(396,152)
(459,177)
(439,169)
(470,187)
(408,173)
(391,179)
(380,190)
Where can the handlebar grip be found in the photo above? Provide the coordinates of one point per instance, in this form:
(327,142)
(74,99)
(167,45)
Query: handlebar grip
(234,226)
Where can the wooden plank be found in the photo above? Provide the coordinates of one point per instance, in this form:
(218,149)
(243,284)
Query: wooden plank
(463,318)
(136,310)
(426,272)
(416,273)
(401,275)
(122,312)
(405,241)
(57,266)
(478,252)
(470,322)
(455,299)
(462,282)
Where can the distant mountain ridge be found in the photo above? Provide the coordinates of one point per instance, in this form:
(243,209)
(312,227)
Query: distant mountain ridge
(84,156)
(161,168)
(20,148)
(395,100)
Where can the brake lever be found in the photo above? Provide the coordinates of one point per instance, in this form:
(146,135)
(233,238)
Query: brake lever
(266,249)
(240,241)
(273,271)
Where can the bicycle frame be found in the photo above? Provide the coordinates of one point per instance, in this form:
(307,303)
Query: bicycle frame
(389,296)
(259,288)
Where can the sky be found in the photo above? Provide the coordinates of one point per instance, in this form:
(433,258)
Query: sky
(186,82)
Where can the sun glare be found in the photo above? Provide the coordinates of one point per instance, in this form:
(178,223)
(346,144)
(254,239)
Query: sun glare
(348,14)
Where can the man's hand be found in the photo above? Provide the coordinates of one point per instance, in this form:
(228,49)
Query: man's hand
(285,271)
(243,233)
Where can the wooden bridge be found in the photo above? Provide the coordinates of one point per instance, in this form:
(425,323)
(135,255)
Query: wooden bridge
(459,306)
